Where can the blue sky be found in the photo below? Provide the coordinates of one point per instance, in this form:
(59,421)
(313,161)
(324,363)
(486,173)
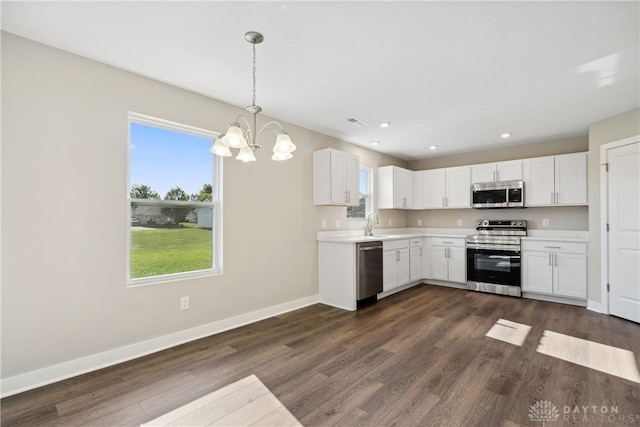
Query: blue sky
(163,159)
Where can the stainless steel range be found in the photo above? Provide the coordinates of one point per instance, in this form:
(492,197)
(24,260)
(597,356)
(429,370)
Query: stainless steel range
(493,257)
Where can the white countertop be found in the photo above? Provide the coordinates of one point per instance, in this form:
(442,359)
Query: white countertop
(385,234)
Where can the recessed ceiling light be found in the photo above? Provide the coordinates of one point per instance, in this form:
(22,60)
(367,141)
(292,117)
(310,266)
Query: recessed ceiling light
(375,142)
(505,135)
(433,147)
(385,124)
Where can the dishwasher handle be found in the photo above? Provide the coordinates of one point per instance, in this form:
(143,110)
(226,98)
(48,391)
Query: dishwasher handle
(369,248)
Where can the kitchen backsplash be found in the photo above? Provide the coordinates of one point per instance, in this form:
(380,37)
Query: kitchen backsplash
(559,217)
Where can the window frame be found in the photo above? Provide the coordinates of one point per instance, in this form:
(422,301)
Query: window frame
(368,196)
(215,203)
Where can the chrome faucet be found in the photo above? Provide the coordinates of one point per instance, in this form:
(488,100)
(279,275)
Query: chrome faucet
(369,230)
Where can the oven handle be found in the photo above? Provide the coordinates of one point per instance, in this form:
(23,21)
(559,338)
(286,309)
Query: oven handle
(501,248)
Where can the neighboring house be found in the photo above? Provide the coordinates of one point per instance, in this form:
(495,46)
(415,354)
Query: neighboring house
(149,215)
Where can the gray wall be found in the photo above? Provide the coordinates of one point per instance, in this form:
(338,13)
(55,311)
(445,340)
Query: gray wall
(612,129)
(64,213)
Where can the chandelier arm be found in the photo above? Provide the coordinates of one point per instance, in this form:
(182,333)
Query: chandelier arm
(248,133)
(270,126)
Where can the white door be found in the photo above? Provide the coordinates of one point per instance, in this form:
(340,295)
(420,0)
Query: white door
(433,186)
(624,231)
(458,184)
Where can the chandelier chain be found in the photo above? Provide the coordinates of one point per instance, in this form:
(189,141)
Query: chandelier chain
(254,74)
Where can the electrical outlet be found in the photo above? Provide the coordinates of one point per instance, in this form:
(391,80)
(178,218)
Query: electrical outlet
(545,222)
(459,223)
(324,223)
(184,303)
(419,222)
(389,223)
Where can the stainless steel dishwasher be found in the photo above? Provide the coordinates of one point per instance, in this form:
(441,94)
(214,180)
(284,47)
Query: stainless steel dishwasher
(369,272)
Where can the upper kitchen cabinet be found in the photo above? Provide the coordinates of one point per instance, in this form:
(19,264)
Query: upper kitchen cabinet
(395,188)
(446,188)
(335,178)
(556,180)
(494,172)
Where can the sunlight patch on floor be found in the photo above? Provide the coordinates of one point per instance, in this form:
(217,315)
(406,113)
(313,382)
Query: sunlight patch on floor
(246,402)
(508,331)
(604,358)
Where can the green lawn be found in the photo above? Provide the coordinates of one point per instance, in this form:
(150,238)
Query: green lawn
(170,250)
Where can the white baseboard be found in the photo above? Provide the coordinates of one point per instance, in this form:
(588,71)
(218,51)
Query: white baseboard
(51,374)
(598,307)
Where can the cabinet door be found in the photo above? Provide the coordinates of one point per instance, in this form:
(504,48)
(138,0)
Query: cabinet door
(509,171)
(402,267)
(418,190)
(457,265)
(483,173)
(570,275)
(439,263)
(415,263)
(537,273)
(458,185)
(352,179)
(433,182)
(402,188)
(571,179)
(389,267)
(539,179)
(338,177)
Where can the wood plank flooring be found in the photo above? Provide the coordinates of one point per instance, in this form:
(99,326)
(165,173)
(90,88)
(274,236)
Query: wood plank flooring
(419,357)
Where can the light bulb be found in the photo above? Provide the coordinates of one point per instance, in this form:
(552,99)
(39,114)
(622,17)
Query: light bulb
(246,155)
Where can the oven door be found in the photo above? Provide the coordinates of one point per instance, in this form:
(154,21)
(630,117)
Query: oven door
(494,266)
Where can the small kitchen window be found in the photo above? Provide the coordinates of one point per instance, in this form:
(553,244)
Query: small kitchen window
(366,191)
(173,212)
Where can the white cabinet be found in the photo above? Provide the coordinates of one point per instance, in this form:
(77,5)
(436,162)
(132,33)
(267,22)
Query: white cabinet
(395,188)
(555,268)
(415,259)
(395,264)
(493,172)
(556,180)
(445,188)
(335,178)
(448,259)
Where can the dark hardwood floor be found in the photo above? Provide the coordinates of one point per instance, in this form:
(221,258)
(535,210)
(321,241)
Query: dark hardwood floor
(419,357)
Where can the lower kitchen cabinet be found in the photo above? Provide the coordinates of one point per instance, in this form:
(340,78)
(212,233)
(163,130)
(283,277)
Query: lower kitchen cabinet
(395,264)
(448,259)
(415,259)
(555,268)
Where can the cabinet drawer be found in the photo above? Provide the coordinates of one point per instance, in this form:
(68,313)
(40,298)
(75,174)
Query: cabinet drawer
(415,242)
(448,241)
(554,246)
(390,245)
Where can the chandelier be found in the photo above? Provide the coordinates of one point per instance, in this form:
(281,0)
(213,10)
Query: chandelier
(242,134)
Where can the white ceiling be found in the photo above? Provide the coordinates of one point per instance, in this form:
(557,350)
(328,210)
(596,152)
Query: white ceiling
(452,74)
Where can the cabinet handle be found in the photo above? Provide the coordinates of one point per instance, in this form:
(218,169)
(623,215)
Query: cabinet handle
(553,247)
(552,198)
(420,250)
(448,243)
(397,256)
(443,205)
(494,176)
(550,260)
(555,259)
(557,197)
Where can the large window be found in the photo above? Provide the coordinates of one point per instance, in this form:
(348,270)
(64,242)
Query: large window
(174,202)
(366,204)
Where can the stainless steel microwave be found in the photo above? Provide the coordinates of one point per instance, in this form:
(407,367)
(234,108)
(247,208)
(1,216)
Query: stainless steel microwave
(493,195)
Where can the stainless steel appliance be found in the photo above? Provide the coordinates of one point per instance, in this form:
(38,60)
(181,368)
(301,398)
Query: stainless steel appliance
(493,257)
(369,271)
(493,195)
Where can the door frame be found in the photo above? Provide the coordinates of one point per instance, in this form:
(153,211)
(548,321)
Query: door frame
(604,216)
